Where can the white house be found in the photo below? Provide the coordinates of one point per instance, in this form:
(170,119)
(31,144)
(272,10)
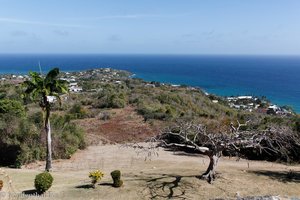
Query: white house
(51,99)
(75,89)
(244,97)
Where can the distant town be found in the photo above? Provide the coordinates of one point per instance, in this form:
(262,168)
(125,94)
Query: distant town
(109,75)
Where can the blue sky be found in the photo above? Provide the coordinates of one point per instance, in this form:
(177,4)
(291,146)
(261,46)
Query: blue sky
(150,26)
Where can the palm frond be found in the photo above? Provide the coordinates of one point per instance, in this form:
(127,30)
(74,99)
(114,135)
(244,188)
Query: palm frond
(39,87)
(52,75)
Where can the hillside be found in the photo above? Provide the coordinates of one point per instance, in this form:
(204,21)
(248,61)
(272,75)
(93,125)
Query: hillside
(109,106)
(106,110)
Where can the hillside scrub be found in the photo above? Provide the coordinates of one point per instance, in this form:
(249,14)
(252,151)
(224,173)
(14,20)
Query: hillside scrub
(77,111)
(166,103)
(159,104)
(21,141)
(111,96)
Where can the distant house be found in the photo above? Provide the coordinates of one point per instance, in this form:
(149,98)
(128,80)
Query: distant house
(150,85)
(51,99)
(244,97)
(75,89)
(273,109)
(106,70)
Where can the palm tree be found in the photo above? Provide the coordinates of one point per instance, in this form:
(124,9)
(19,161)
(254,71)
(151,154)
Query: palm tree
(39,88)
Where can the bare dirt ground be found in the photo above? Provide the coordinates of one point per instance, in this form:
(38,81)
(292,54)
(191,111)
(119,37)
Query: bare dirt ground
(171,175)
(125,125)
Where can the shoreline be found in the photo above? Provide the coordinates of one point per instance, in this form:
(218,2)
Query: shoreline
(135,75)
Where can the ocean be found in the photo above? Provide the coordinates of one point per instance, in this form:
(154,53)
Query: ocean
(276,77)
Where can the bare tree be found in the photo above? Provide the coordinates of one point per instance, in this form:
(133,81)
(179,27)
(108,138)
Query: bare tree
(274,142)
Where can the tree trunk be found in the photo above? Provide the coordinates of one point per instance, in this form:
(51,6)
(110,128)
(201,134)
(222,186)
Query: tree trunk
(49,146)
(210,173)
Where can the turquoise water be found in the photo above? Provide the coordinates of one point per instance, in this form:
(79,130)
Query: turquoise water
(276,77)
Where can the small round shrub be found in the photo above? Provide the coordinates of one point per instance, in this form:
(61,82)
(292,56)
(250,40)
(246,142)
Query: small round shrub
(118,183)
(1,185)
(116,176)
(43,182)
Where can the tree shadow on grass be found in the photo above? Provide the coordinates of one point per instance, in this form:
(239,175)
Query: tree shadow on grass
(283,176)
(169,186)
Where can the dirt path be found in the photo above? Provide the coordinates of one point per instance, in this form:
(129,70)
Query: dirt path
(168,176)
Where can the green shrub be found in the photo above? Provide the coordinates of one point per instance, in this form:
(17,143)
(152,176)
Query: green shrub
(12,107)
(1,185)
(116,176)
(296,125)
(21,139)
(78,112)
(111,96)
(117,101)
(118,183)
(67,137)
(43,182)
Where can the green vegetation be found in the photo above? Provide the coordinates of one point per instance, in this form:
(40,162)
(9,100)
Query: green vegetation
(43,182)
(22,135)
(78,112)
(39,89)
(111,96)
(116,176)
(12,107)
(296,124)
(24,127)
(21,140)
(67,137)
(161,102)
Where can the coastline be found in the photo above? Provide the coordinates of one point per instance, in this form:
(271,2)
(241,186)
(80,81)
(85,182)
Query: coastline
(276,77)
(282,108)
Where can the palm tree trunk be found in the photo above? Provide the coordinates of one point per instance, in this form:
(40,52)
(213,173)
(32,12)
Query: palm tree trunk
(49,140)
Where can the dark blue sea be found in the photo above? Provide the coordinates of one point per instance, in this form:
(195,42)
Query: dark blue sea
(276,77)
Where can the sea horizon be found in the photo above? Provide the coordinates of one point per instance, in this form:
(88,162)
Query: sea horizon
(275,76)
